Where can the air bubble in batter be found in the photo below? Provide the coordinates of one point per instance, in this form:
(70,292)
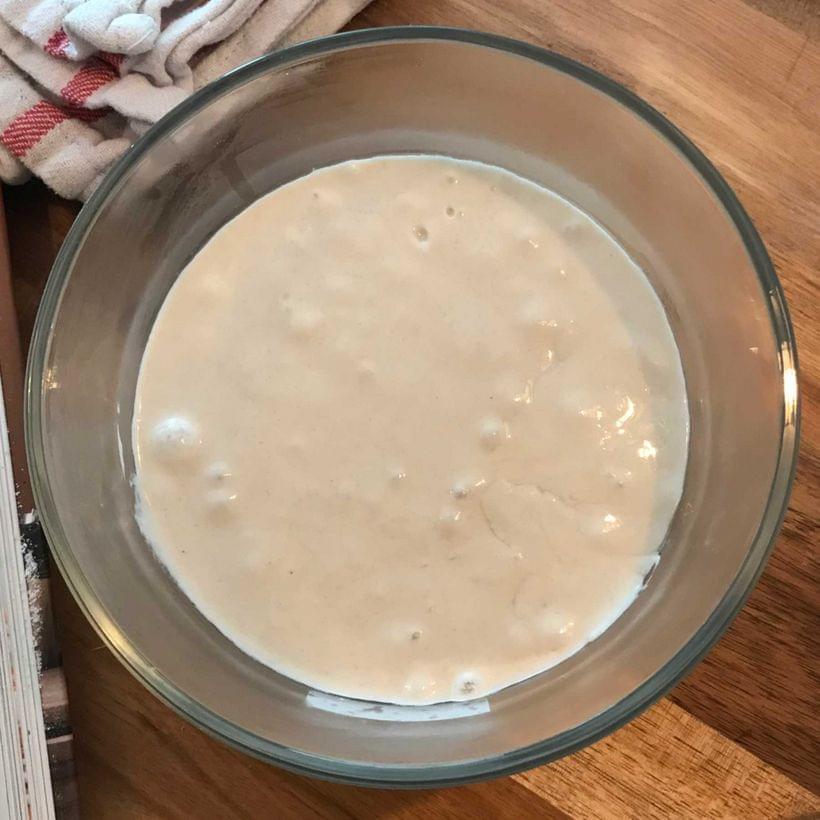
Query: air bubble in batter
(176,438)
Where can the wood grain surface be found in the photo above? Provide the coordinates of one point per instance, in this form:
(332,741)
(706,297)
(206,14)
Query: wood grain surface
(740,736)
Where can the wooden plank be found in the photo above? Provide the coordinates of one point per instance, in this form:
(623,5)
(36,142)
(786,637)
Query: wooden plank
(668,764)
(11,370)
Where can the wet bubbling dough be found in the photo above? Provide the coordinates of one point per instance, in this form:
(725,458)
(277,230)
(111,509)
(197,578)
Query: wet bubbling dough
(410,429)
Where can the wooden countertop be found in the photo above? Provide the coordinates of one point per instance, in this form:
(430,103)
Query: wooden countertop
(740,736)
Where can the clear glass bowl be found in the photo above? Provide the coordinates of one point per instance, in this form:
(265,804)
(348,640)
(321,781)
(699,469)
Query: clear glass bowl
(413,90)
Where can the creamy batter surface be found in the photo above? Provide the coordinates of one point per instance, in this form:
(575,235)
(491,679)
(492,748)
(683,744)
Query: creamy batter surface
(410,429)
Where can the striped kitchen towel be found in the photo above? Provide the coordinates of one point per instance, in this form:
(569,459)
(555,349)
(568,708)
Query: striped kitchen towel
(81,79)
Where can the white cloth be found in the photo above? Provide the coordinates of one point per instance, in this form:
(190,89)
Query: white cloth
(80,79)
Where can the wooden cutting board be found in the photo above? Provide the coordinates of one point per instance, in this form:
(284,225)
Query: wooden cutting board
(740,736)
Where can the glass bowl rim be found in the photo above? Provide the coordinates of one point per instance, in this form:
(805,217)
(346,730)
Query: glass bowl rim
(434,774)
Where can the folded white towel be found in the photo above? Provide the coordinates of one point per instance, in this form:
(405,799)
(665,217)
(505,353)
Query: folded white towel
(80,79)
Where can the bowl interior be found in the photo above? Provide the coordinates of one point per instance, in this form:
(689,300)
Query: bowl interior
(427,92)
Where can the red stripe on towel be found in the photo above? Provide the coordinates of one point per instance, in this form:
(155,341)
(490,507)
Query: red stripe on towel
(24,132)
(90,78)
(57,44)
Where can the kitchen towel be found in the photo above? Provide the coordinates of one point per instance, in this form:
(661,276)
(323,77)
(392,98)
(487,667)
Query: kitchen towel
(81,79)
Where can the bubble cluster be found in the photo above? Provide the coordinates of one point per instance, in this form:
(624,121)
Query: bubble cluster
(466,685)
(175,438)
(493,431)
